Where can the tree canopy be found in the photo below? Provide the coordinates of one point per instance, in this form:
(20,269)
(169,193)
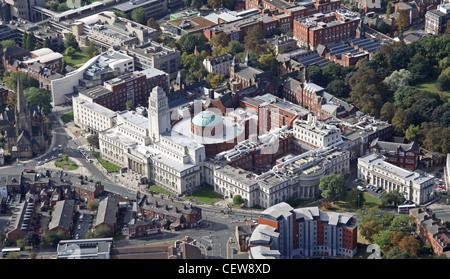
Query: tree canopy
(333,187)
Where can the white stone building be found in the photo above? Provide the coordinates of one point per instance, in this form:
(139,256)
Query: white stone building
(220,64)
(91,117)
(312,134)
(415,187)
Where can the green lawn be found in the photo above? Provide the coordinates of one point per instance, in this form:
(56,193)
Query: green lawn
(110,167)
(206,195)
(66,164)
(349,202)
(67,117)
(155,188)
(79,58)
(431,87)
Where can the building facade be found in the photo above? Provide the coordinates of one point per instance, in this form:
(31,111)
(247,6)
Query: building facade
(415,187)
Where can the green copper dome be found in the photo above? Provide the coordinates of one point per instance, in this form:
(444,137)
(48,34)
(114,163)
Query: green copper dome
(206,118)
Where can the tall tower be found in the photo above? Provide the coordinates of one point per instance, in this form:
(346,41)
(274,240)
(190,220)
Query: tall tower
(158,113)
(23,121)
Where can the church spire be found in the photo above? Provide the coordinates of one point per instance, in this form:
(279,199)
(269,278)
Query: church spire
(21,105)
(248,62)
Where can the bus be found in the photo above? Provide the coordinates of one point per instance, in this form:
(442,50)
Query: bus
(404,209)
(6,251)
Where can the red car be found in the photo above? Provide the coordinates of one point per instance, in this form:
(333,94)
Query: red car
(29,171)
(41,230)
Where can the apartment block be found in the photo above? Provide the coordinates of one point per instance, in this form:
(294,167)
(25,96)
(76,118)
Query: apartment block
(303,233)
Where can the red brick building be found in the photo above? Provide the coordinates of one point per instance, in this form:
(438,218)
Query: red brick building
(326,28)
(431,231)
(134,87)
(402,155)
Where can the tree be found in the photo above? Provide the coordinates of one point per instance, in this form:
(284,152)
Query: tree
(409,244)
(31,45)
(443,81)
(47,43)
(331,72)
(214,4)
(333,187)
(402,21)
(91,49)
(101,231)
(229,4)
(138,15)
(441,115)
(92,206)
(387,112)
(219,40)
(383,239)
(235,47)
(70,51)
(392,198)
(382,27)
(411,134)
(401,121)
(267,62)
(70,41)
(404,224)
(52,238)
(13,256)
(119,13)
(21,243)
(8,43)
(237,200)
(129,105)
(189,41)
(398,79)
(196,4)
(62,7)
(214,80)
(371,229)
(26,80)
(39,97)
(151,22)
(395,253)
(93,140)
(254,39)
(25,43)
(314,74)
(404,97)
(339,88)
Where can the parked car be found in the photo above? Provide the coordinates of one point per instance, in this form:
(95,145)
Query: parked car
(356,180)
(60,155)
(79,227)
(360,188)
(54,149)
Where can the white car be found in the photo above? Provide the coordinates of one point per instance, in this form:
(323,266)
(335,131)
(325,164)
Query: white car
(361,188)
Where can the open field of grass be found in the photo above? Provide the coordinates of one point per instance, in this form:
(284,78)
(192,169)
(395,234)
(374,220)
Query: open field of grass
(431,87)
(349,202)
(79,58)
(206,195)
